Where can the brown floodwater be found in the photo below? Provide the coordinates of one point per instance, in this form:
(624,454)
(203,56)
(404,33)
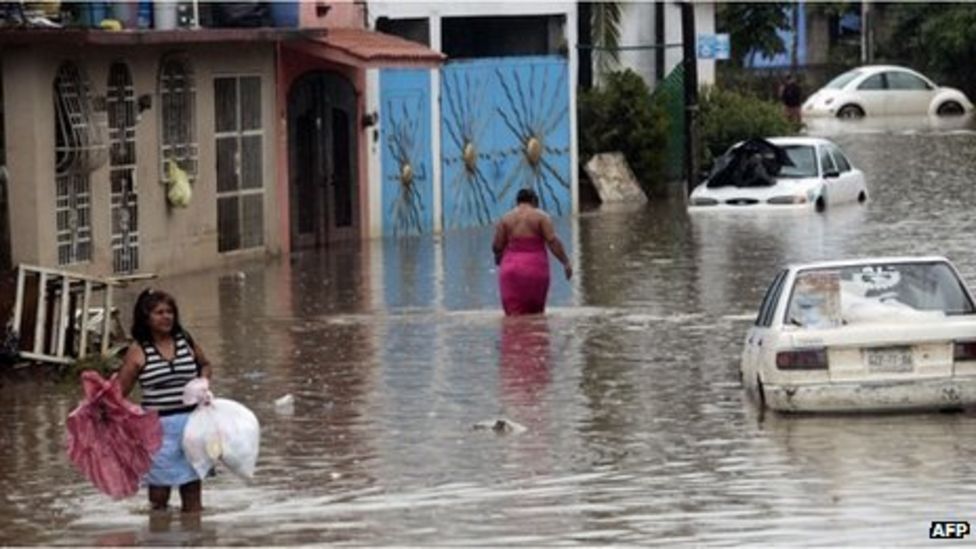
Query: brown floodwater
(636,427)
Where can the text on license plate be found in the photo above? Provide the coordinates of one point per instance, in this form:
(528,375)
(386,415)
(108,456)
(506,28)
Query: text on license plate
(890,360)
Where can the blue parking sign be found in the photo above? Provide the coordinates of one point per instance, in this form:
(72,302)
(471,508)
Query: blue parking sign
(723,46)
(713,46)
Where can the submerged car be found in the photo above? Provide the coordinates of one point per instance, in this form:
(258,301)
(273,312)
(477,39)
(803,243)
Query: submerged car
(883,90)
(780,173)
(864,335)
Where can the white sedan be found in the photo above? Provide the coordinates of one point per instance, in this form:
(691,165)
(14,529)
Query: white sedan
(797,173)
(864,335)
(878,90)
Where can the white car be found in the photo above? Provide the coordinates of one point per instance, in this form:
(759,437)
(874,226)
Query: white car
(882,90)
(864,335)
(814,174)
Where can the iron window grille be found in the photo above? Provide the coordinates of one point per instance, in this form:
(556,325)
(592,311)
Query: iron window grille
(121,105)
(79,149)
(177,115)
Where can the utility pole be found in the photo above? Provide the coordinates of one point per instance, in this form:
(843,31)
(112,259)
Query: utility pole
(867,38)
(689,45)
(584,28)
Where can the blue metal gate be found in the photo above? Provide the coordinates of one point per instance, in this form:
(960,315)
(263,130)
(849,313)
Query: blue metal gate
(505,125)
(407,159)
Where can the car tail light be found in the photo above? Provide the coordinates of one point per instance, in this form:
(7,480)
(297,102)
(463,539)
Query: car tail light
(703,201)
(964,350)
(796,199)
(806,359)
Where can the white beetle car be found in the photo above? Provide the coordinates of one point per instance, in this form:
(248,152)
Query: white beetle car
(864,335)
(817,175)
(884,90)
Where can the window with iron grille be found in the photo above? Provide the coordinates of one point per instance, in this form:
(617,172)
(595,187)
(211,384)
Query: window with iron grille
(121,105)
(239,143)
(74,146)
(176,115)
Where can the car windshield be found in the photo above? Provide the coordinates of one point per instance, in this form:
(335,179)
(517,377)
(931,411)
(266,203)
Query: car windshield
(842,80)
(901,292)
(804,159)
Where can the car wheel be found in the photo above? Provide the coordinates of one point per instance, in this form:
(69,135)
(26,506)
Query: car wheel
(850,112)
(950,108)
(821,205)
(862,197)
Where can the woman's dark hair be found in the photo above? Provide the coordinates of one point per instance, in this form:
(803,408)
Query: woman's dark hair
(527,196)
(147,301)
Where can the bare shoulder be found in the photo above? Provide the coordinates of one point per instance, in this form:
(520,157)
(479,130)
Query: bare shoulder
(134,355)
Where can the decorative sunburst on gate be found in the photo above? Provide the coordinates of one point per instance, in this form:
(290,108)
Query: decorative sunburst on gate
(403,140)
(466,122)
(532,117)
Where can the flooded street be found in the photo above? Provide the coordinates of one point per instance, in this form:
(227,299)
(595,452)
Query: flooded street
(637,429)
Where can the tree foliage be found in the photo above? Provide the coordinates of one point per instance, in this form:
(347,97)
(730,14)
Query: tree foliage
(753,26)
(621,115)
(935,38)
(728,117)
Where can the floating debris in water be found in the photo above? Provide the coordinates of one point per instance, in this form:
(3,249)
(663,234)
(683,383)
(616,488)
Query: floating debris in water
(500,426)
(285,405)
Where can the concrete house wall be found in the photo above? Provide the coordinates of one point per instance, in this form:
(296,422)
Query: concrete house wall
(170,239)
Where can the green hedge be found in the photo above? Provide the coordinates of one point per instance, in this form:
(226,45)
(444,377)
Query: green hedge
(620,115)
(728,117)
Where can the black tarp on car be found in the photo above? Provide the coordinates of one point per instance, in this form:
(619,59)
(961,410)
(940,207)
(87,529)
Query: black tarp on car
(752,163)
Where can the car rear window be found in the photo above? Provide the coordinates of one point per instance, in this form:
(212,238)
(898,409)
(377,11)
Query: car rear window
(898,292)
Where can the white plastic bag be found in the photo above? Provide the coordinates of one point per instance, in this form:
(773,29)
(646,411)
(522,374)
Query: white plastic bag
(180,192)
(221,430)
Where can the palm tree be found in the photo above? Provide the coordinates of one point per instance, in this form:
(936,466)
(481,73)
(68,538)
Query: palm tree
(599,37)
(605,31)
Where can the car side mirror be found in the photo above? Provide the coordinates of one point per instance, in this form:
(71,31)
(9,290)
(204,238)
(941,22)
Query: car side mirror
(832,174)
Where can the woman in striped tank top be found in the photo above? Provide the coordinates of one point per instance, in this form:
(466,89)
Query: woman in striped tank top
(163,359)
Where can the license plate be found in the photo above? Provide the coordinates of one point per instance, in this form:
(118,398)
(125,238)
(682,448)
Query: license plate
(892,360)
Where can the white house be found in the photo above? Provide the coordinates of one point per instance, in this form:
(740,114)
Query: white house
(643,23)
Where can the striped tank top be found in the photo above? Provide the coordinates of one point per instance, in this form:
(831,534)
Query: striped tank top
(162,380)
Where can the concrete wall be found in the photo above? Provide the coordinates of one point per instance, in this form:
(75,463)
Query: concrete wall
(170,240)
(637,29)
(341,13)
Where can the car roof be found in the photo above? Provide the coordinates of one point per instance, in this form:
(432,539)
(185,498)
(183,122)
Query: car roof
(794,140)
(869,70)
(867,261)
(876,68)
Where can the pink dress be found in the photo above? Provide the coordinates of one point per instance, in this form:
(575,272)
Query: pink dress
(524,276)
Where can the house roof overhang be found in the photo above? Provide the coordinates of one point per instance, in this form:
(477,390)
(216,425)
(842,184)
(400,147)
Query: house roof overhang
(368,49)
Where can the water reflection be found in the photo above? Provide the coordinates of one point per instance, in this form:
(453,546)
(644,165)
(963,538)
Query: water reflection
(891,124)
(164,529)
(524,360)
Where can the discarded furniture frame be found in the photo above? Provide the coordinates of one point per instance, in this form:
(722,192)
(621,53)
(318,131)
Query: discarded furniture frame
(62,328)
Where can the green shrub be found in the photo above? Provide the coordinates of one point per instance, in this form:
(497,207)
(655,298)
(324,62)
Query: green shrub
(728,117)
(621,115)
(104,365)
